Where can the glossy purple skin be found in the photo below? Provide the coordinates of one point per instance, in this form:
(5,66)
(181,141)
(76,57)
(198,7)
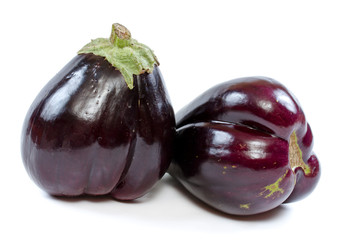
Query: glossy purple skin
(88,133)
(228,166)
(262,104)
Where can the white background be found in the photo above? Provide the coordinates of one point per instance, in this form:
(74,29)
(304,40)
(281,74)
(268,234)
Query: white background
(199,44)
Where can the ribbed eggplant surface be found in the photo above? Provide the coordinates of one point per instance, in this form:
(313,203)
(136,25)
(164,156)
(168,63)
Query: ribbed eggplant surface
(245,147)
(87,132)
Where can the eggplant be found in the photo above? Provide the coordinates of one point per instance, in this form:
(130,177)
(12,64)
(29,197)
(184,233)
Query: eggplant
(103,125)
(244,147)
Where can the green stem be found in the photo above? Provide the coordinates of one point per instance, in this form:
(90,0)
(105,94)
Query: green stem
(124,53)
(120,35)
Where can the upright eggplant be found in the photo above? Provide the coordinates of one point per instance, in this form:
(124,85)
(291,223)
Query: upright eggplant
(103,125)
(245,147)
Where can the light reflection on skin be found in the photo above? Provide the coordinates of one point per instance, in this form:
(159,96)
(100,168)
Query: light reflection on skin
(235,98)
(285,100)
(86,104)
(220,142)
(266,105)
(256,149)
(58,101)
(88,108)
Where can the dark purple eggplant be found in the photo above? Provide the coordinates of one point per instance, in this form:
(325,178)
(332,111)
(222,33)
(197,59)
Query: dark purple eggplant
(88,132)
(245,147)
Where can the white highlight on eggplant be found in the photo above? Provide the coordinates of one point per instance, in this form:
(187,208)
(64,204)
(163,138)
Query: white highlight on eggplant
(235,98)
(285,100)
(58,101)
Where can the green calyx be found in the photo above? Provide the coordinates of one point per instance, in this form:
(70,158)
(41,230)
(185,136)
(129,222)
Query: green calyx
(123,52)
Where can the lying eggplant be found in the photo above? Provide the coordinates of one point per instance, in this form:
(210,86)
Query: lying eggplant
(245,147)
(88,132)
